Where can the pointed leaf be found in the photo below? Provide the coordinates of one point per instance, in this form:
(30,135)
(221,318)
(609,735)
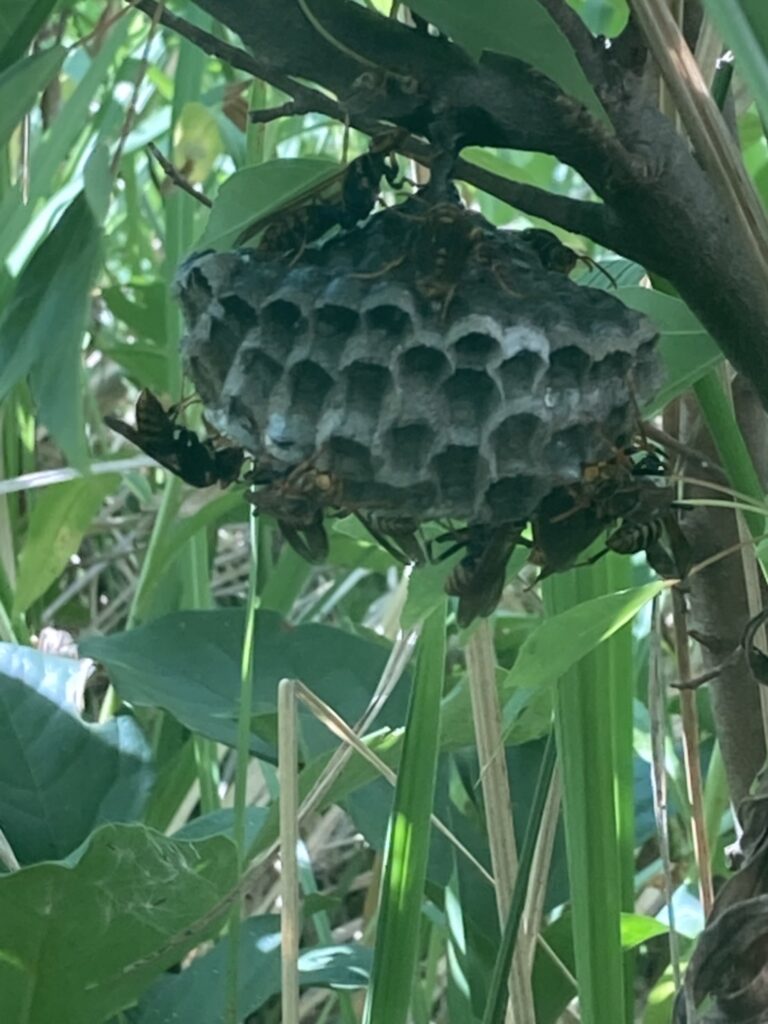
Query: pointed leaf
(563,640)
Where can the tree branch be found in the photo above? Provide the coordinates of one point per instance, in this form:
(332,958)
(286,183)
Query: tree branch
(659,206)
(582,41)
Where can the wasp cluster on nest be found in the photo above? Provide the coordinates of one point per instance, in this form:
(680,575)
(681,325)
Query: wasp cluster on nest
(425,367)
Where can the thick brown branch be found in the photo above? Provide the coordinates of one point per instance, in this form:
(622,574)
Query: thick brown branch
(659,208)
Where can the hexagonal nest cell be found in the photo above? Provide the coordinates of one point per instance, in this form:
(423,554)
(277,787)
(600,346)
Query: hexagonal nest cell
(426,364)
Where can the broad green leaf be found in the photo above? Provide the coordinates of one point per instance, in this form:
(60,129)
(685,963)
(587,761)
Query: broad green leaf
(60,777)
(743,25)
(20,21)
(20,84)
(189,664)
(254,192)
(60,516)
(687,351)
(196,142)
(516,28)
(396,952)
(80,940)
(41,329)
(563,640)
(196,996)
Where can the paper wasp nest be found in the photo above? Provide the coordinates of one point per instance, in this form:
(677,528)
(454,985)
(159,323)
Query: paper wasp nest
(427,361)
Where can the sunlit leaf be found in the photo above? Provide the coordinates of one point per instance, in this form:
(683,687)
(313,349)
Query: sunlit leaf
(563,640)
(196,143)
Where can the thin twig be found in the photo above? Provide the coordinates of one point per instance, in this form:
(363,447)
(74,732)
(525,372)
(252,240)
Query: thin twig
(177,177)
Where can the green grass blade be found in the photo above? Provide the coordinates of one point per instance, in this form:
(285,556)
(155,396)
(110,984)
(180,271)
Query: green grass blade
(407,846)
(586,745)
(497,999)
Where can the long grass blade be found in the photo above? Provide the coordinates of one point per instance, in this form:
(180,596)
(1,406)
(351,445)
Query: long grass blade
(586,746)
(407,845)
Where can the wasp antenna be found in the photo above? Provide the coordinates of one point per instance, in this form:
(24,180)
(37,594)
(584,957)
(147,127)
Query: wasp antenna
(589,262)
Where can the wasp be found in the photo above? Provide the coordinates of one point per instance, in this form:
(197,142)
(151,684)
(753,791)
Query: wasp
(446,239)
(478,579)
(297,500)
(659,536)
(555,255)
(361,184)
(199,463)
(561,532)
(341,200)
(398,535)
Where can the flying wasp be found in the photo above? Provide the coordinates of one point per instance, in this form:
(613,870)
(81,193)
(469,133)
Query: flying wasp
(198,463)
(556,256)
(478,579)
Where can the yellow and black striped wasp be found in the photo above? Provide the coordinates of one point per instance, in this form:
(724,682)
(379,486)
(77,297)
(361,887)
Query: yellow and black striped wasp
(478,579)
(178,449)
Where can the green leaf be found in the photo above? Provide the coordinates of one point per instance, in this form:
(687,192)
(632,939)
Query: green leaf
(396,951)
(97,181)
(518,28)
(60,517)
(42,327)
(222,823)
(687,351)
(563,640)
(141,307)
(189,664)
(196,995)
(635,929)
(743,24)
(197,142)
(80,940)
(59,776)
(254,192)
(20,22)
(20,84)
